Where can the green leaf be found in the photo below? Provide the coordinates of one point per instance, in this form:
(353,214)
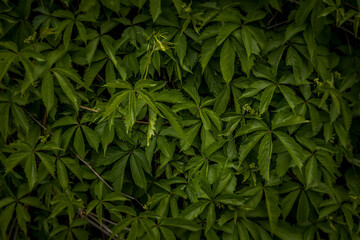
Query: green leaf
(155,9)
(222,100)
(14,159)
(249,144)
(180,42)
(23,217)
(289,95)
(173,119)
(91,136)
(247,40)
(303,11)
(112,5)
(151,127)
(62,174)
(137,172)
(5,218)
(5,64)
(180,223)
(264,157)
(341,133)
(31,170)
(274,58)
(167,233)
(48,161)
(303,209)
(20,117)
(225,32)
(294,59)
(287,202)
(251,126)
(47,91)
(33,202)
(292,30)
(326,11)
(115,102)
(272,207)
(79,143)
(106,42)
(120,226)
(284,119)
(82,31)
(213,116)
(266,97)
(118,171)
(68,89)
(4,124)
(131,116)
(227,61)
(292,147)
(207,51)
(6,201)
(194,210)
(91,49)
(149,100)
(311,170)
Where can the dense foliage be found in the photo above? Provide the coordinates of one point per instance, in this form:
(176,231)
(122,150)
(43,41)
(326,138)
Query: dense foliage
(170,119)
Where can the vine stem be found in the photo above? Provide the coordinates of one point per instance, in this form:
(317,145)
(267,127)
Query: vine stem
(12,228)
(83,161)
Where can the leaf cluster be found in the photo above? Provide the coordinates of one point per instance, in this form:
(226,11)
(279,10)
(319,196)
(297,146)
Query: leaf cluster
(171,119)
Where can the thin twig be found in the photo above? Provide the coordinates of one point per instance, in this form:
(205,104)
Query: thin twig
(91,168)
(100,77)
(348,42)
(35,120)
(351,6)
(276,25)
(95,219)
(294,1)
(11,228)
(272,18)
(143,122)
(16,233)
(350,32)
(98,227)
(104,219)
(89,109)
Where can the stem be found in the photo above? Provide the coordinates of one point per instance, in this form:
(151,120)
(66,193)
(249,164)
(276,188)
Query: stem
(16,233)
(89,109)
(276,25)
(12,228)
(350,32)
